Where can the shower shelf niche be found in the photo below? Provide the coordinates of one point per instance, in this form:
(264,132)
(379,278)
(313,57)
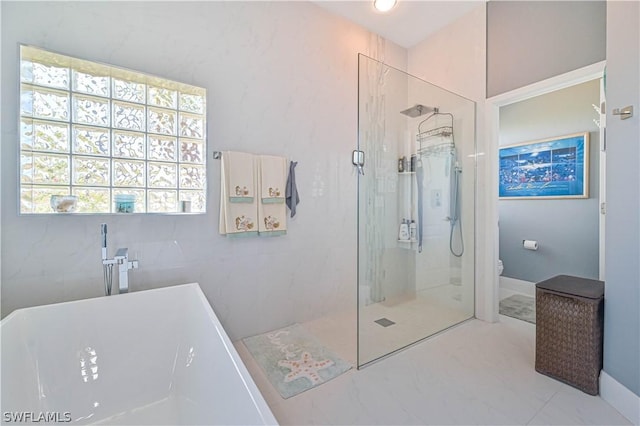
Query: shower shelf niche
(407,204)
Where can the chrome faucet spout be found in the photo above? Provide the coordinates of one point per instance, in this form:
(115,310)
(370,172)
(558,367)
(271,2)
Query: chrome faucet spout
(121,253)
(122,258)
(124,264)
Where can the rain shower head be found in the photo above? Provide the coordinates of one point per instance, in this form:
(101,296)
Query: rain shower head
(417,110)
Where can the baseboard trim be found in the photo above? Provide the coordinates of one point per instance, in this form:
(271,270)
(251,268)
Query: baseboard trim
(520,286)
(619,397)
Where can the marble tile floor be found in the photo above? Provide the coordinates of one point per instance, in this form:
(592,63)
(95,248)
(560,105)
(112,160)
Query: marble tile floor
(474,373)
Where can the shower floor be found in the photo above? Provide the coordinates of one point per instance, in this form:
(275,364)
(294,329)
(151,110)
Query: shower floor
(416,316)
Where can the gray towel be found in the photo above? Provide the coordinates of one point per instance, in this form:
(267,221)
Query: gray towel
(291,193)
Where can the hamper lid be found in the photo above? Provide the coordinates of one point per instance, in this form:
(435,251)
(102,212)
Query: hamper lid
(575,286)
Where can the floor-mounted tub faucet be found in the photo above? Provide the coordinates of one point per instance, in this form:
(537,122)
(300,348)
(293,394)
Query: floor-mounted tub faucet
(124,264)
(121,259)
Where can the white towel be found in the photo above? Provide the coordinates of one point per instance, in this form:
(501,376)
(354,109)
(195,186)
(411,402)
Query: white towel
(273,179)
(272,211)
(241,176)
(237,218)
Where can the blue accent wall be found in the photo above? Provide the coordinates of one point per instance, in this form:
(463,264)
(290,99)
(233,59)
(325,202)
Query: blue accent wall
(622,270)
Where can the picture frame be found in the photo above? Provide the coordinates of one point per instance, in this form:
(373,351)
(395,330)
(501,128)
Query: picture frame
(556,167)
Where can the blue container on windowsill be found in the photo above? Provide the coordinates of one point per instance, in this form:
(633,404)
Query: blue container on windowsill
(125,203)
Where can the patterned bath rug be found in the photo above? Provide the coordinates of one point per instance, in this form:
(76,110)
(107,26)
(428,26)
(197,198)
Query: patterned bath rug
(293,360)
(519,306)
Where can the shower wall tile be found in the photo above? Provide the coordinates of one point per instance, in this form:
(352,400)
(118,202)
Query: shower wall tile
(459,49)
(281,80)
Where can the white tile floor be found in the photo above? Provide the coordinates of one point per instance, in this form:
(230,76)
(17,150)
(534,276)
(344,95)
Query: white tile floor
(475,373)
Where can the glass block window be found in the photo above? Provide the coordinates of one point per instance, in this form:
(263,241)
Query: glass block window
(96,131)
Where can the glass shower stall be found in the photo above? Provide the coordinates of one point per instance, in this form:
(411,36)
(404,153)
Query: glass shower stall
(416,203)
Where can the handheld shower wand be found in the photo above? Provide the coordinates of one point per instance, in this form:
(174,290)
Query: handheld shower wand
(107,265)
(103,233)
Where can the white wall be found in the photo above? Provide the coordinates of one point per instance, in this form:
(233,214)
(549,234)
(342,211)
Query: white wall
(566,229)
(455,58)
(281,79)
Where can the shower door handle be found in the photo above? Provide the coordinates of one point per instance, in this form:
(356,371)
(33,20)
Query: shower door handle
(357,158)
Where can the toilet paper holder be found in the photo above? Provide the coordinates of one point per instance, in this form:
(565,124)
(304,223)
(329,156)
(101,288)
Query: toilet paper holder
(530,244)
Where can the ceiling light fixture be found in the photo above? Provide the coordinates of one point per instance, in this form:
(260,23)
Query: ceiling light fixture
(384,5)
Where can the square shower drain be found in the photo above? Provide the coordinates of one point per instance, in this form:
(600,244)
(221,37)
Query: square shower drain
(385,322)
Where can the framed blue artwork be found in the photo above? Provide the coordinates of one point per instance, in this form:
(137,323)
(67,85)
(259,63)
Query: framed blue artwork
(550,168)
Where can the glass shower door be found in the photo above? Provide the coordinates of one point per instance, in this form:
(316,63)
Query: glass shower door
(415,210)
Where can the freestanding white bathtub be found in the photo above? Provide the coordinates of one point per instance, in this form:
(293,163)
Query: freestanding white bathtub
(151,357)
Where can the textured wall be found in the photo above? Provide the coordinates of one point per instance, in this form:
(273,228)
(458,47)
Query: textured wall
(281,80)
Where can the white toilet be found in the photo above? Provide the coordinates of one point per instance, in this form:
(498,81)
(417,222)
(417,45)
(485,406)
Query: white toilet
(500,267)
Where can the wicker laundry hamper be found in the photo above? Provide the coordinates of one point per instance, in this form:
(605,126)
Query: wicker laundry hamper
(569,330)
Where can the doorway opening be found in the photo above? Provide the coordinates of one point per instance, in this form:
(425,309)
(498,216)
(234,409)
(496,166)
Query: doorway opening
(498,108)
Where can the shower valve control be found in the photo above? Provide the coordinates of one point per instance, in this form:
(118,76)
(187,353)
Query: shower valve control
(436,198)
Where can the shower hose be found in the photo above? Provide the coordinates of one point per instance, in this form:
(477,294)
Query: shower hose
(455,210)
